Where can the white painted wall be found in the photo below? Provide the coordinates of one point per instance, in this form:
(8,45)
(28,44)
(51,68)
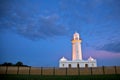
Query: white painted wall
(65,64)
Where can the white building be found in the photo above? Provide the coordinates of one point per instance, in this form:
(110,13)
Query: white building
(77,60)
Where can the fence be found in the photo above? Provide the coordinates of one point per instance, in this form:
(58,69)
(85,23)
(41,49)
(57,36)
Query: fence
(59,71)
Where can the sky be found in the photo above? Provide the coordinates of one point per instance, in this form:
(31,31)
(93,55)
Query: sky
(39,32)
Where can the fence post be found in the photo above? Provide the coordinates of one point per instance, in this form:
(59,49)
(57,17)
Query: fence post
(66,71)
(41,71)
(91,70)
(79,71)
(103,70)
(6,69)
(18,70)
(53,70)
(115,70)
(29,69)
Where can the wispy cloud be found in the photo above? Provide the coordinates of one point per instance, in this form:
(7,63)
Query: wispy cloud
(27,20)
(41,27)
(111,47)
(100,54)
(88,17)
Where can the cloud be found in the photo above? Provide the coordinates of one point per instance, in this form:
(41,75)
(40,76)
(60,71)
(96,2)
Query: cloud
(26,19)
(5,6)
(100,54)
(111,47)
(34,28)
(47,26)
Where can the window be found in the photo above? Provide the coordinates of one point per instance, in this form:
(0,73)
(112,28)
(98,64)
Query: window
(69,65)
(78,65)
(92,65)
(63,65)
(86,65)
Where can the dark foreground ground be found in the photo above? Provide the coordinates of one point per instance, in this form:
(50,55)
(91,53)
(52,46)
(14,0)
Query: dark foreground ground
(38,77)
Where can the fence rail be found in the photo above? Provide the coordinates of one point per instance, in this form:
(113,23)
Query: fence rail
(59,71)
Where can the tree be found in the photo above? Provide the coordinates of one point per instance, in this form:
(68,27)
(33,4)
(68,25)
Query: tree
(7,64)
(19,63)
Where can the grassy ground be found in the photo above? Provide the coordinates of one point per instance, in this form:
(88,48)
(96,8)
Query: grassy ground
(38,77)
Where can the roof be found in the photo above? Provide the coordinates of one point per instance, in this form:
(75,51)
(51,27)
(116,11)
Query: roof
(90,58)
(63,59)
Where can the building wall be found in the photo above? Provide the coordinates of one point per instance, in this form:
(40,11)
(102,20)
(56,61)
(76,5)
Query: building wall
(74,64)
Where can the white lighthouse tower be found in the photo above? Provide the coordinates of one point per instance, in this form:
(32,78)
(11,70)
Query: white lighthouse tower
(77,60)
(76,47)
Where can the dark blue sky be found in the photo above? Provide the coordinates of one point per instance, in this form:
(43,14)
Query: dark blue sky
(39,32)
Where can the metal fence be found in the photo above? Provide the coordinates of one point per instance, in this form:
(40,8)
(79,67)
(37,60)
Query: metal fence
(59,71)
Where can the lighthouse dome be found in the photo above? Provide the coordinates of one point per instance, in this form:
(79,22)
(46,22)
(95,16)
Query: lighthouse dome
(76,36)
(90,58)
(63,59)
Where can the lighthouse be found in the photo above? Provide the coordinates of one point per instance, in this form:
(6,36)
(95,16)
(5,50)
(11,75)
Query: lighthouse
(76,47)
(77,60)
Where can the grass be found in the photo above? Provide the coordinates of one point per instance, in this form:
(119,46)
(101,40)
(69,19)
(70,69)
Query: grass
(39,77)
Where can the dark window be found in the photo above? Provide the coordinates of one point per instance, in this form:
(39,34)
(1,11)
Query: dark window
(78,66)
(92,65)
(86,65)
(69,65)
(63,65)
